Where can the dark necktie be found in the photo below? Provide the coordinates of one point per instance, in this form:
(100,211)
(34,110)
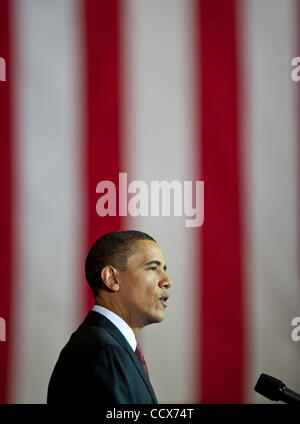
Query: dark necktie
(139,354)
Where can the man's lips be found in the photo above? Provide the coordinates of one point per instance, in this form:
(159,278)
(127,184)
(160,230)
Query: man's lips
(164,299)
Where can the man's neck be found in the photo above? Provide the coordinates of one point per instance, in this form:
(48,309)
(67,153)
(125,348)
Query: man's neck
(100,302)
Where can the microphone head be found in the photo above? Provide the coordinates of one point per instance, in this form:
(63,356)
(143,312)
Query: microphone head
(269,387)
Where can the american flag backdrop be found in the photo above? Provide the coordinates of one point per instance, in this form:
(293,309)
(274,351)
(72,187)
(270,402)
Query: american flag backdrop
(169,90)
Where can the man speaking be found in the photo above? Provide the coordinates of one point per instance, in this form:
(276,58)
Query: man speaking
(102,362)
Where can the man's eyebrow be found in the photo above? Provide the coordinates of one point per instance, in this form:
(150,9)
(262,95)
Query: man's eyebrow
(158,263)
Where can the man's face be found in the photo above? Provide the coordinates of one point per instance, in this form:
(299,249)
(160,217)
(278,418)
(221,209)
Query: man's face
(144,285)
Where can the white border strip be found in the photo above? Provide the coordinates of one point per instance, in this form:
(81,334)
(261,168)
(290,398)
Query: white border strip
(159,132)
(271,148)
(48,204)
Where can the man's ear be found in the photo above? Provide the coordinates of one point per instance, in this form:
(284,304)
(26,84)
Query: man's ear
(109,279)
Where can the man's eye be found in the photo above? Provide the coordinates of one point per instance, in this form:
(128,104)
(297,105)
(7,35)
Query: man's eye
(153,268)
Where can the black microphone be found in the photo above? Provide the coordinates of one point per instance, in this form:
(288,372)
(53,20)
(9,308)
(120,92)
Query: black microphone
(274,389)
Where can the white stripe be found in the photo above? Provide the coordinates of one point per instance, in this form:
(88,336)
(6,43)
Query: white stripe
(158,125)
(47,216)
(271,148)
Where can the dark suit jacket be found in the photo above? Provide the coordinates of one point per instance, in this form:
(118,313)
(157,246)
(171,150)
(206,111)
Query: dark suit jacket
(98,366)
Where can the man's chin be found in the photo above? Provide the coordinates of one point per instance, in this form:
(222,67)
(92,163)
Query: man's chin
(155,319)
(158,318)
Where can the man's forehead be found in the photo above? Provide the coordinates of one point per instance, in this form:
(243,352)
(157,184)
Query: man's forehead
(147,251)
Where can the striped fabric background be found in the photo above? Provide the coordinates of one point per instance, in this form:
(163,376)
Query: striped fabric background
(169,90)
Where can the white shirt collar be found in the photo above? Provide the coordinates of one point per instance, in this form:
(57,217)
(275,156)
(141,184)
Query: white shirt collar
(119,323)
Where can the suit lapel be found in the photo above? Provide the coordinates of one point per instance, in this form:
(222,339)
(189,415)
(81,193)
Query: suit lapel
(137,363)
(98,320)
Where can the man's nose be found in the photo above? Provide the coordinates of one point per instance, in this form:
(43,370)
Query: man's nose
(165,281)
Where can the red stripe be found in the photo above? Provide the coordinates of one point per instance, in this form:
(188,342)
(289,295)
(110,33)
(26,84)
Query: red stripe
(6,198)
(221,315)
(103,100)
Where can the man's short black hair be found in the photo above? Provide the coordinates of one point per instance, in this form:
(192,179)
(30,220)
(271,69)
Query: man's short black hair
(111,249)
